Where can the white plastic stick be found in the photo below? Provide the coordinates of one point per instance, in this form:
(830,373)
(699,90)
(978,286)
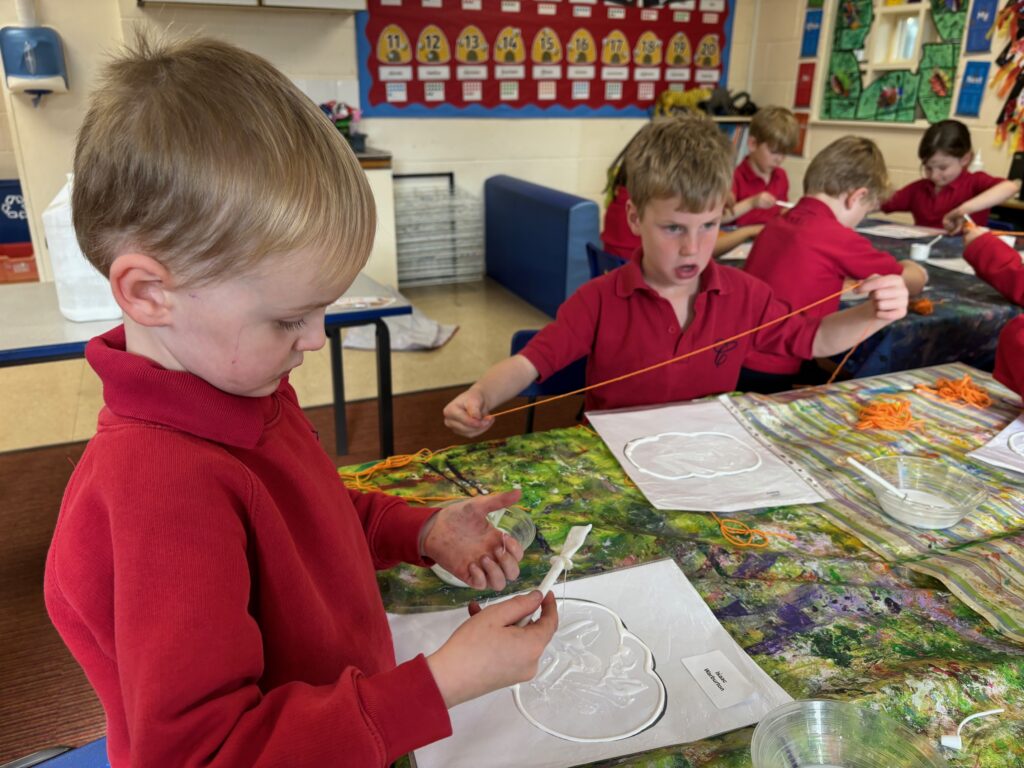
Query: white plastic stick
(876,477)
(932,242)
(956,742)
(577,535)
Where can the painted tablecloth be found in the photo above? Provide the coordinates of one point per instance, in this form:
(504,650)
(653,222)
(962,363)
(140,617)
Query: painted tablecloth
(923,625)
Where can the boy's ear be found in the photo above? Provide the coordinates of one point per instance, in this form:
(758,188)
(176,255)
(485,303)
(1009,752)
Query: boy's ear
(633,217)
(967,159)
(140,285)
(858,195)
(751,143)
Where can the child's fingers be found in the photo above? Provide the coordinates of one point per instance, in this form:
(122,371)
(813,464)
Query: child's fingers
(511,547)
(548,621)
(509,566)
(494,501)
(509,612)
(493,572)
(475,577)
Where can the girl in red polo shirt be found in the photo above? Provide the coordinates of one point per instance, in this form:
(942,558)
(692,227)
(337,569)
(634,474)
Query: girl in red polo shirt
(948,190)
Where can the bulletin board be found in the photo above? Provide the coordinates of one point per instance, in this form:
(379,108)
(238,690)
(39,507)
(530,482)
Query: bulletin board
(894,95)
(529,58)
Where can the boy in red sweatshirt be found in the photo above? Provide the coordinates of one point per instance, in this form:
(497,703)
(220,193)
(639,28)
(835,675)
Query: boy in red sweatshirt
(209,571)
(1000,266)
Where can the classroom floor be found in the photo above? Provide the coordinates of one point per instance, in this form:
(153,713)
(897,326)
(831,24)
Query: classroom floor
(52,403)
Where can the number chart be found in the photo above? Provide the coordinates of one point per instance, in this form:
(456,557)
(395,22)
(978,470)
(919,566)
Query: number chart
(575,58)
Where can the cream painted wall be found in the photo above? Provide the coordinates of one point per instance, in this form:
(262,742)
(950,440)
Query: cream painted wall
(568,154)
(775,50)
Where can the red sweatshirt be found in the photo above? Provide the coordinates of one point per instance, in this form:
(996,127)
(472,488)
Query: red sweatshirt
(1000,265)
(216,581)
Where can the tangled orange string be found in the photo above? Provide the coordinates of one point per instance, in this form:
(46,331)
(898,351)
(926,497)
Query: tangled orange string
(959,392)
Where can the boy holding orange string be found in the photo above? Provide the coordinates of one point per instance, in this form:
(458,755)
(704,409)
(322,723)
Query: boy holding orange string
(671,298)
(1000,266)
(810,251)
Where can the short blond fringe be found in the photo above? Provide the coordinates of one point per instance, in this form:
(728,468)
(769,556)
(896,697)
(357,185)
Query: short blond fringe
(846,165)
(777,127)
(207,158)
(684,157)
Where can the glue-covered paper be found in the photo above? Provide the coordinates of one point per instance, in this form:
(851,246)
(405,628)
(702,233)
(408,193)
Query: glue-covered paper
(698,457)
(1005,450)
(655,602)
(901,231)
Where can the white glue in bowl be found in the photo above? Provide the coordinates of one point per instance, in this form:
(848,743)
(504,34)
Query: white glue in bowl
(934,494)
(515,522)
(834,734)
(920,251)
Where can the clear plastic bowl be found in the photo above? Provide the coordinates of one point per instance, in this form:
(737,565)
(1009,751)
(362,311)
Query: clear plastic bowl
(834,734)
(515,522)
(938,494)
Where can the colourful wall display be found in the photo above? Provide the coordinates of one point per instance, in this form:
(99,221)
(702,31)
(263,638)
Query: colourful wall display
(527,58)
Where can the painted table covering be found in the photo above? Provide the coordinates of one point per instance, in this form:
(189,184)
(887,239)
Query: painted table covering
(969,313)
(918,624)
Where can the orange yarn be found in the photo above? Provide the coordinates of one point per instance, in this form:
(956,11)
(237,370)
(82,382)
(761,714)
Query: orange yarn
(893,415)
(960,392)
(684,356)
(922,306)
(739,534)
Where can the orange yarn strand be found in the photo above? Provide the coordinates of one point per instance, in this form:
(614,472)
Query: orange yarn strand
(684,356)
(959,392)
(739,534)
(893,415)
(922,306)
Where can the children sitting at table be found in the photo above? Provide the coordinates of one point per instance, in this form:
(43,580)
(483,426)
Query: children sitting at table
(621,241)
(209,570)
(1000,266)
(949,191)
(809,252)
(759,183)
(671,298)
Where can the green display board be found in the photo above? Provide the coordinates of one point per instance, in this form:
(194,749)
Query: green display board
(898,95)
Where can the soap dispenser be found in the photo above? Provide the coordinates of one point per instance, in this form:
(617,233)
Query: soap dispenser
(33,56)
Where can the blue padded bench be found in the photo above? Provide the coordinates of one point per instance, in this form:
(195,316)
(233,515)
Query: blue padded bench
(536,240)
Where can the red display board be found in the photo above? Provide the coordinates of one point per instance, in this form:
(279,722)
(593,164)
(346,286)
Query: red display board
(485,54)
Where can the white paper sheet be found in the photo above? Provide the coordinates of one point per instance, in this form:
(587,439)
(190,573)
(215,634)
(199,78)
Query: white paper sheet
(739,253)
(1005,450)
(954,265)
(772,482)
(900,231)
(658,604)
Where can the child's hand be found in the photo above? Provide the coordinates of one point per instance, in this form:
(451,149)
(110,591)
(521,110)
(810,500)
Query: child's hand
(764,200)
(467,415)
(973,233)
(490,652)
(954,221)
(888,294)
(462,540)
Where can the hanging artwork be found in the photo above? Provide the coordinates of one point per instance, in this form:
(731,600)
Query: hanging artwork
(842,87)
(502,57)
(935,83)
(891,98)
(1009,80)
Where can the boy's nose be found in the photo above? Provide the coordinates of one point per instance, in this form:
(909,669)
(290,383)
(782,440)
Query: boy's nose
(313,336)
(688,245)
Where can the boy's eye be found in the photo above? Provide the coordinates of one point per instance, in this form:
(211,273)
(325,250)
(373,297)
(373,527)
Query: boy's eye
(673,229)
(291,325)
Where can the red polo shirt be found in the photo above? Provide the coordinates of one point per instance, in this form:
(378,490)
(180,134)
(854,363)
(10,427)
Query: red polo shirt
(617,237)
(1000,265)
(928,204)
(746,183)
(805,255)
(623,325)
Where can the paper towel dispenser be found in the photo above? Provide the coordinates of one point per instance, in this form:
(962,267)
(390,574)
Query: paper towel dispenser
(33,61)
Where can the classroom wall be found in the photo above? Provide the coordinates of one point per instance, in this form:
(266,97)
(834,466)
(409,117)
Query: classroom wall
(566,153)
(776,46)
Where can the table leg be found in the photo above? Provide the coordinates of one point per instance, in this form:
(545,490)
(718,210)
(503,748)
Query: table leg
(384,398)
(338,390)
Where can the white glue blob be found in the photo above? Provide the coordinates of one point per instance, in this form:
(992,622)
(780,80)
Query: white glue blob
(595,681)
(682,455)
(1016,443)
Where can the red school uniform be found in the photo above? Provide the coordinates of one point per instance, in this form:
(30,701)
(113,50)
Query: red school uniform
(746,183)
(1000,266)
(617,237)
(623,325)
(216,582)
(929,205)
(804,256)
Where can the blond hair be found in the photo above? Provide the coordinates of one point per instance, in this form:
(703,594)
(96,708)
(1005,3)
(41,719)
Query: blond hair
(846,165)
(776,127)
(207,158)
(687,158)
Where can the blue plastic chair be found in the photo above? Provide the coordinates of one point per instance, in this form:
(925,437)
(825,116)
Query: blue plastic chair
(92,755)
(570,378)
(601,261)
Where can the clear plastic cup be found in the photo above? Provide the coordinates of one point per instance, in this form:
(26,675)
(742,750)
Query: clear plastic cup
(934,493)
(515,522)
(819,733)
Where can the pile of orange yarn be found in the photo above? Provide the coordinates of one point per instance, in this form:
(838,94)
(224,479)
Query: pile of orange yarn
(893,415)
(922,306)
(958,392)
